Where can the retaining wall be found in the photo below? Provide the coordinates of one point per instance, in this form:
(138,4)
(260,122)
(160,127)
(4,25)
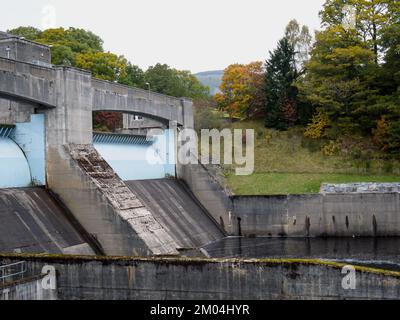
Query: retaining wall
(30,289)
(87,278)
(318,215)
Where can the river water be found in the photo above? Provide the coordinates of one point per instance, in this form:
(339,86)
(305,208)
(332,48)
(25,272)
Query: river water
(374,252)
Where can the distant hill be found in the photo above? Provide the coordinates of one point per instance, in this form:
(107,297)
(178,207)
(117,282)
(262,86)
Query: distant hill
(211,79)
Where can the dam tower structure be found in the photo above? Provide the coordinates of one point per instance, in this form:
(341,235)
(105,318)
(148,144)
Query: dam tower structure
(115,202)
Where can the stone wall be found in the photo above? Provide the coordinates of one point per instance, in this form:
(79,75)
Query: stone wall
(361,188)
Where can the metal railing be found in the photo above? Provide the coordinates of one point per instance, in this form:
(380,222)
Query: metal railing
(13,271)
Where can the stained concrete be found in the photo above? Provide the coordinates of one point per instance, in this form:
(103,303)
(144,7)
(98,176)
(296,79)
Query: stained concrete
(318,215)
(47,86)
(85,278)
(178,211)
(30,289)
(31,221)
(207,188)
(108,209)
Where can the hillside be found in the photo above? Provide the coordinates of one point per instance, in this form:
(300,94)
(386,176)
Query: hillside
(212,79)
(286,162)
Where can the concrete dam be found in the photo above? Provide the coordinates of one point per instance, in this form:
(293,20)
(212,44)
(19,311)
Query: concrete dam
(90,212)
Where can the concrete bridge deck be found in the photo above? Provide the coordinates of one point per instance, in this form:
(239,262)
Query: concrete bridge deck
(176,209)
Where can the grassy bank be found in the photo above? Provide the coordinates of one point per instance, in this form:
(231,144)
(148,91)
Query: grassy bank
(286,162)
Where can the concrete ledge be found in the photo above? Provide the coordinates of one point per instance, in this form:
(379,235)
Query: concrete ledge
(122,278)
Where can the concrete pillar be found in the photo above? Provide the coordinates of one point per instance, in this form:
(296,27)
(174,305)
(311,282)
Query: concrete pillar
(187,109)
(71,120)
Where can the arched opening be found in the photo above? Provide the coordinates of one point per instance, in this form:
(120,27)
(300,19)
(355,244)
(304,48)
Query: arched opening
(122,140)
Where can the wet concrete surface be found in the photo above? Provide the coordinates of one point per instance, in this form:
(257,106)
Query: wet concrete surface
(32,222)
(383,253)
(177,211)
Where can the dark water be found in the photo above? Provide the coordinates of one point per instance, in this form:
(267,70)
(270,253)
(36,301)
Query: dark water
(379,252)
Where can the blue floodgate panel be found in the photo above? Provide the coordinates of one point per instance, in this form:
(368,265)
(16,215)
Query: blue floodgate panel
(135,158)
(30,137)
(14,168)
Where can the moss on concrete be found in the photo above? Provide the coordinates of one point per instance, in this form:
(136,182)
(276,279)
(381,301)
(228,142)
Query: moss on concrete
(175,260)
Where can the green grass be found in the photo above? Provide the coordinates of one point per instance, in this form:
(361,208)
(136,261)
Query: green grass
(292,183)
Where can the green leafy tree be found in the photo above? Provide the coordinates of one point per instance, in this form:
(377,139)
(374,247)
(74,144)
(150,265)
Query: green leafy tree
(372,17)
(134,76)
(29,33)
(65,44)
(338,78)
(169,81)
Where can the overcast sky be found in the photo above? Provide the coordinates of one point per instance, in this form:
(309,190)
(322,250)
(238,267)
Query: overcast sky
(195,35)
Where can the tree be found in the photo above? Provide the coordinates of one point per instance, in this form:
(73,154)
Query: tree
(167,80)
(300,39)
(279,89)
(134,76)
(65,43)
(241,90)
(352,72)
(103,65)
(29,33)
(372,16)
(338,79)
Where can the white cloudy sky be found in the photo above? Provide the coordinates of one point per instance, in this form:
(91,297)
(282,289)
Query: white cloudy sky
(195,35)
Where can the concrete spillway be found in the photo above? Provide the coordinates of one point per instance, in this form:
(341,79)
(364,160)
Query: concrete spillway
(32,222)
(176,210)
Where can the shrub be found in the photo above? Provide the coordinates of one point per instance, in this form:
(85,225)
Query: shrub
(318,125)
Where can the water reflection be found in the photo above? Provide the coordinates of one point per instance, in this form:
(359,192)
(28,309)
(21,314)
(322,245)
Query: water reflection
(382,252)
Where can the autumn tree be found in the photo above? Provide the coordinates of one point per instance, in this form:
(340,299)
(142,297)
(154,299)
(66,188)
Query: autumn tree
(103,65)
(242,90)
(371,19)
(65,44)
(353,74)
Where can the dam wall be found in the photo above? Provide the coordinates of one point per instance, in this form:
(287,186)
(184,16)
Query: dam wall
(209,192)
(319,215)
(85,278)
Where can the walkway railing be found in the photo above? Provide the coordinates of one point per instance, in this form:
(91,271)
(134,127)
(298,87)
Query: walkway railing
(11,272)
